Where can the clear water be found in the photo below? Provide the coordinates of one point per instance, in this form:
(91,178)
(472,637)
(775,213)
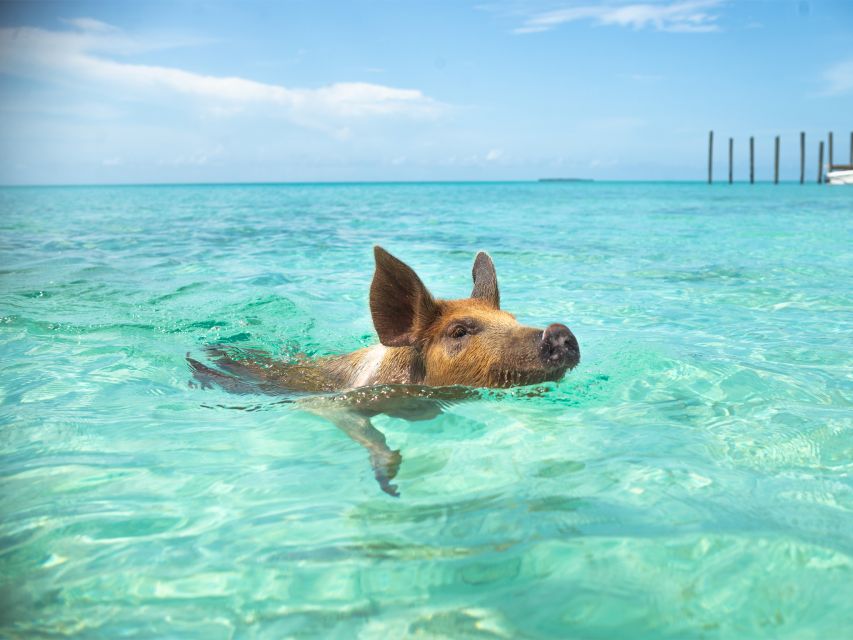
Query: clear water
(691,478)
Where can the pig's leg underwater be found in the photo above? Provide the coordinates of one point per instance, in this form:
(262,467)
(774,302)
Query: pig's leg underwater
(384,461)
(246,377)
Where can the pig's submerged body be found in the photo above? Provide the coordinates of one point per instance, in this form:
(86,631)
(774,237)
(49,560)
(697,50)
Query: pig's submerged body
(424,341)
(370,366)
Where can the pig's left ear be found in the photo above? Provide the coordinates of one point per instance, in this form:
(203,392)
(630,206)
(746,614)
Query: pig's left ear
(400,304)
(485,280)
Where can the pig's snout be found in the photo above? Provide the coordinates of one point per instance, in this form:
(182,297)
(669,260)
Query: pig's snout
(559,347)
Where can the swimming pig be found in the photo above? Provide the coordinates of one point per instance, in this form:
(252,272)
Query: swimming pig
(433,342)
(424,341)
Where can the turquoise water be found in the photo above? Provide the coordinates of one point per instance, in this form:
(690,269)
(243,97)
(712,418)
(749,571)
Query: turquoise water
(690,479)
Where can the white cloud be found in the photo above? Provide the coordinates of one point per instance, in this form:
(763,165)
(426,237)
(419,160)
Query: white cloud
(839,78)
(89,24)
(678,16)
(88,52)
(494,154)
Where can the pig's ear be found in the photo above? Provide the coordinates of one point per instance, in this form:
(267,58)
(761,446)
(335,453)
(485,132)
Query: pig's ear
(485,280)
(400,304)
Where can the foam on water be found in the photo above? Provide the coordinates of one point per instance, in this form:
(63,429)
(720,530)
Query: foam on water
(689,479)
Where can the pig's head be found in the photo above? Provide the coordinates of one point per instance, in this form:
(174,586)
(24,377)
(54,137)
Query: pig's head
(466,342)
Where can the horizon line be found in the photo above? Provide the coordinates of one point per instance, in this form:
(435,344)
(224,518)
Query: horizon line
(547,181)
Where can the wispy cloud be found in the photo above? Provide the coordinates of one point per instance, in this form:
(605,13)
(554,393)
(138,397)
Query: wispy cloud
(89,24)
(89,51)
(838,78)
(692,16)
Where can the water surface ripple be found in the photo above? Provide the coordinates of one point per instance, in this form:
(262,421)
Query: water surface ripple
(691,479)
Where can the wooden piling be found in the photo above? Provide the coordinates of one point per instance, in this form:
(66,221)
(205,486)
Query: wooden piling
(710,157)
(776,163)
(829,155)
(751,160)
(820,163)
(731,159)
(802,156)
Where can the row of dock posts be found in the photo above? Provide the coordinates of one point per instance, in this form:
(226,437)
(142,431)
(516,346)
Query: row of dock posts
(776,151)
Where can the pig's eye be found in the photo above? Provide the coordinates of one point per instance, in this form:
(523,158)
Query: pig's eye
(458,331)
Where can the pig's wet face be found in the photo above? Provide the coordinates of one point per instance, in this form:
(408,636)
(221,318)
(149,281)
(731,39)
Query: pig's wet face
(473,344)
(468,342)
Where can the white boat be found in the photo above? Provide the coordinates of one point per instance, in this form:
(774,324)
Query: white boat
(840,174)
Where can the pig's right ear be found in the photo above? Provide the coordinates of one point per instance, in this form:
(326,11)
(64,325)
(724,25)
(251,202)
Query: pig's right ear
(400,304)
(485,280)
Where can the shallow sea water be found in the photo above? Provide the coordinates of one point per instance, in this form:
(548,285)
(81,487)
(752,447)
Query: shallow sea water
(690,479)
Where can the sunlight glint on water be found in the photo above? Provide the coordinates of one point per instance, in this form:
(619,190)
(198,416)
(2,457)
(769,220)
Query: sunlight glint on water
(689,479)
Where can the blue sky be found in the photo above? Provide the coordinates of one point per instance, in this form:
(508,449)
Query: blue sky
(170,91)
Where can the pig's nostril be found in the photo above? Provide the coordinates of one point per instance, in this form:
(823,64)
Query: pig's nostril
(557,346)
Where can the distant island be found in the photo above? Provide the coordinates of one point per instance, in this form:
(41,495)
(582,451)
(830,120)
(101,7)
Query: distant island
(565,179)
